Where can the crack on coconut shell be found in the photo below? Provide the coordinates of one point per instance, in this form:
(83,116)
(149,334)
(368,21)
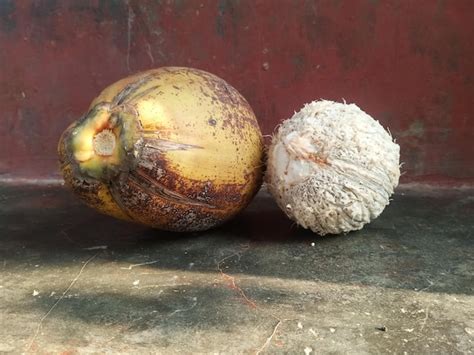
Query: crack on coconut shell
(114,190)
(130,89)
(130,99)
(153,187)
(164,145)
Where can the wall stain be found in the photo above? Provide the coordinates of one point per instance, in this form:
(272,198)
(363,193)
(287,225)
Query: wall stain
(299,66)
(316,26)
(111,9)
(29,126)
(374,2)
(114,12)
(440,7)
(179,6)
(43,9)
(349,37)
(416,129)
(7,20)
(44,27)
(226,8)
(105,10)
(439,43)
(351,43)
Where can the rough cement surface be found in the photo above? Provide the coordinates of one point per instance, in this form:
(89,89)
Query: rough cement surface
(74,281)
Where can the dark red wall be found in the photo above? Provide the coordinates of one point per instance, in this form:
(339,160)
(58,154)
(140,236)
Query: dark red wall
(410,64)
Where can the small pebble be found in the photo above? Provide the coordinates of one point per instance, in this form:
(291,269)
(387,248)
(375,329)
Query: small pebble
(136,282)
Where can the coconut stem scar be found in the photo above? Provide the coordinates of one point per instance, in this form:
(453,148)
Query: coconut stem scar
(104,143)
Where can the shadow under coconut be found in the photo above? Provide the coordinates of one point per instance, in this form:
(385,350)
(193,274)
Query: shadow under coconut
(420,242)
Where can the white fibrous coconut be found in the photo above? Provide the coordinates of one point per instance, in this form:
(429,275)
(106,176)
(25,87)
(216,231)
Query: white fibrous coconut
(332,168)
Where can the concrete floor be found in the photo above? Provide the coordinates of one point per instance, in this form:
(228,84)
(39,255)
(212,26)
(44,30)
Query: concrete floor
(75,281)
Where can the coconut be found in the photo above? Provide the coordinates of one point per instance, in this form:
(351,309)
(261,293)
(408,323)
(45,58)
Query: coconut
(332,168)
(172,148)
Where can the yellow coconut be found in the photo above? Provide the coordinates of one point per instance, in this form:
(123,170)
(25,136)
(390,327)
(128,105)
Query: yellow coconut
(173,148)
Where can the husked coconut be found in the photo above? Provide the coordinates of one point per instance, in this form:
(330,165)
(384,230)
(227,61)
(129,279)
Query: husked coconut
(332,168)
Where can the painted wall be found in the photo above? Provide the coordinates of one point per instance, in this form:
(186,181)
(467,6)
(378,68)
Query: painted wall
(410,64)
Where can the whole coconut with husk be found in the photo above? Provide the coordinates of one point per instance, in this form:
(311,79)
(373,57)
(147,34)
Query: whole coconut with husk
(173,148)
